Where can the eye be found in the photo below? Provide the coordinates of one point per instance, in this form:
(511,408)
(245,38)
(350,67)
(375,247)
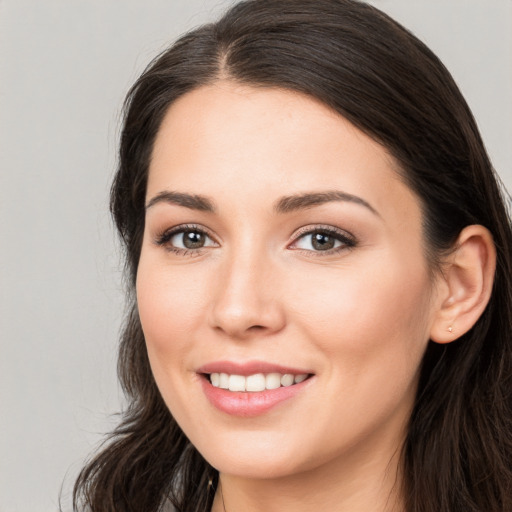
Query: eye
(182,239)
(323,240)
(190,240)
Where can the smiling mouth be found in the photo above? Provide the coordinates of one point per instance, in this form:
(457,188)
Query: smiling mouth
(255,383)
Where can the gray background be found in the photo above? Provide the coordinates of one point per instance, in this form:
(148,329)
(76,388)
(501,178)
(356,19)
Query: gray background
(65,66)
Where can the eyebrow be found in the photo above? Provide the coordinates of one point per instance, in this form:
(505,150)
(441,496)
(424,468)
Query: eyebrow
(285,204)
(309,200)
(192,201)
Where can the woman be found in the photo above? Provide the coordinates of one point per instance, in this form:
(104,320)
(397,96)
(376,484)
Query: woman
(320,263)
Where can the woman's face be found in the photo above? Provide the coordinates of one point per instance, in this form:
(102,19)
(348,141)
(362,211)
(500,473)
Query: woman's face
(281,243)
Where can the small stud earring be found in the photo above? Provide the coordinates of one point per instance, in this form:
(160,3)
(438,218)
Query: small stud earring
(450,329)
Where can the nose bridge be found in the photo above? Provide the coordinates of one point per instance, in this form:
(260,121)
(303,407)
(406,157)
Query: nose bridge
(246,299)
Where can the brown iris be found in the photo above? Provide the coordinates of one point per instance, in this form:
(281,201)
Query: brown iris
(322,241)
(193,239)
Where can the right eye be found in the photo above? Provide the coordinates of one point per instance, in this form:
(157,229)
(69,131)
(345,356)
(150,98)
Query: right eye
(183,239)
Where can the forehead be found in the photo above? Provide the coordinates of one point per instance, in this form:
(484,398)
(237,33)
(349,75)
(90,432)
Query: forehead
(233,140)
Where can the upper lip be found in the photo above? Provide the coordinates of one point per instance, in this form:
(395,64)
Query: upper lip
(248,368)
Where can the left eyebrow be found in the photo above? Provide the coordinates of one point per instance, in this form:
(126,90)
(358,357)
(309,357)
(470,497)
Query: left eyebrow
(288,204)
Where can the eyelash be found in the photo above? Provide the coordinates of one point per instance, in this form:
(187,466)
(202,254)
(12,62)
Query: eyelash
(164,239)
(347,240)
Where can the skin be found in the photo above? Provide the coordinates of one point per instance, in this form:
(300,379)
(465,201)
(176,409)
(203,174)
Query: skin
(358,318)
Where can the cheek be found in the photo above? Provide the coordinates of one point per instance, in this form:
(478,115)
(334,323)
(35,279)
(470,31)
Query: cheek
(371,328)
(380,313)
(170,308)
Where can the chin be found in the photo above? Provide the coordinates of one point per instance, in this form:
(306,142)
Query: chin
(254,456)
(261,468)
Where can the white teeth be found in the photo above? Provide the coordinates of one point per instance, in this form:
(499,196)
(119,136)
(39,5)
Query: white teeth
(236,383)
(223,381)
(256,382)
(215,377)
(287,379)
(273,381)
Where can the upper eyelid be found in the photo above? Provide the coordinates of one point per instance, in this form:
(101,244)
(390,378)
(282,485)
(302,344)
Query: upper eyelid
(188,227)
(169,232)
(307,230)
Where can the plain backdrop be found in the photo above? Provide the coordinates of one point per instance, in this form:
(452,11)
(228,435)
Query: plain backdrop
(65,66)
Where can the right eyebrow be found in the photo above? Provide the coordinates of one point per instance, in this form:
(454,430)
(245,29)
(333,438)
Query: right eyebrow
(192,201)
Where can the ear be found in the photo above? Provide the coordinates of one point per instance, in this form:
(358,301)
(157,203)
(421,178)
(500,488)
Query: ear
(466,284)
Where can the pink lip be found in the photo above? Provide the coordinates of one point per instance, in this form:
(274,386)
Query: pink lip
(249,404)
(248,368)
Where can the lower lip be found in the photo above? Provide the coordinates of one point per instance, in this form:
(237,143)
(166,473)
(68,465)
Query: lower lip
(249,404)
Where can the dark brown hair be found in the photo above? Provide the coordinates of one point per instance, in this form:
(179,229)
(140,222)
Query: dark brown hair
(365,66)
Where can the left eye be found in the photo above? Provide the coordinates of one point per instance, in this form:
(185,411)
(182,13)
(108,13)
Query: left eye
(321,240)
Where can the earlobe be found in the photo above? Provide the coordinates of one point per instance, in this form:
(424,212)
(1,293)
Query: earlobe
(468,279)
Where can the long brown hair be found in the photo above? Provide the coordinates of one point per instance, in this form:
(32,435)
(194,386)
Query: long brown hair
(368,68)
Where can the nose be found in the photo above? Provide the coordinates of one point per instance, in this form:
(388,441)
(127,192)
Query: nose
(246,301)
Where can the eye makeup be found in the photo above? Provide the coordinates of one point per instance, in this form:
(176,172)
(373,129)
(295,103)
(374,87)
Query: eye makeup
(318,240)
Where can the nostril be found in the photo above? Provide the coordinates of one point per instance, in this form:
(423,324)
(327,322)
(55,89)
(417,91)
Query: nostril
(240,316)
